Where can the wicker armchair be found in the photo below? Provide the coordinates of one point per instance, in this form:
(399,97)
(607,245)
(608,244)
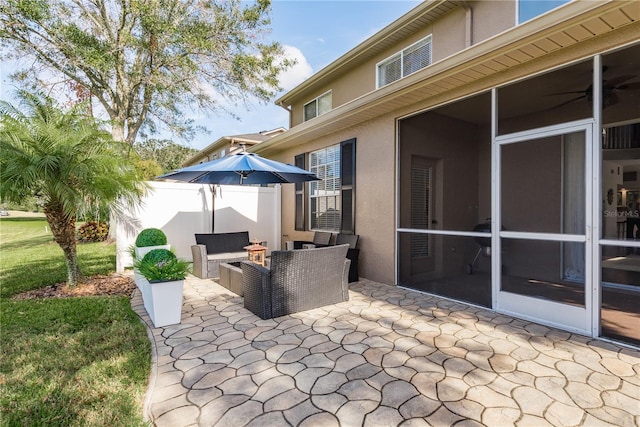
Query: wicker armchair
(296,281)
(353,253)
(320,239)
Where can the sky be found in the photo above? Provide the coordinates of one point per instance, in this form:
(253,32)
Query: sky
(316,33)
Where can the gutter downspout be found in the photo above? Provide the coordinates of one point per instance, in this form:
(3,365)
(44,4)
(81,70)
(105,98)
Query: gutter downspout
(468,40)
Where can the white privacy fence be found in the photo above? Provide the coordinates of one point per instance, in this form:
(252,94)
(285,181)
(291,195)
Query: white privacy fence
(182,210)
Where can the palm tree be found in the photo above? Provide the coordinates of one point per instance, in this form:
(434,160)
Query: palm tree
(67,160)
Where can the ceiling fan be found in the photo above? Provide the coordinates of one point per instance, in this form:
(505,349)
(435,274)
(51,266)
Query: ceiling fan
(610,88)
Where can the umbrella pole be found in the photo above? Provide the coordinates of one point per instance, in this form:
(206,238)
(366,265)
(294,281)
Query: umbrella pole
(213,207)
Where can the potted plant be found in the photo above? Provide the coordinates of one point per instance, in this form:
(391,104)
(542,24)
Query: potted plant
(149,239)
(160,277)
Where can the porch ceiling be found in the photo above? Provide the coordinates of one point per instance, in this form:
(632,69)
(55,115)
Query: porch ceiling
(540,44)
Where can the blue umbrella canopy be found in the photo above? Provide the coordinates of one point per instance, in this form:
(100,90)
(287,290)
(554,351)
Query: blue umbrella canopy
(241,169)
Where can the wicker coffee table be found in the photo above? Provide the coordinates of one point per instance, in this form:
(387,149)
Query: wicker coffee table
(231,277)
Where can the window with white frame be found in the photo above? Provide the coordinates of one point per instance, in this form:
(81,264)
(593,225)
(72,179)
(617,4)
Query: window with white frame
(324,195)
(408,61)
(529,9)
(318,106)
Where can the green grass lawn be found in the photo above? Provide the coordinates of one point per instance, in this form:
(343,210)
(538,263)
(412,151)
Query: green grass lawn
(79,361)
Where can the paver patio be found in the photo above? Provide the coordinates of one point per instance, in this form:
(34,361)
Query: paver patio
(387,357)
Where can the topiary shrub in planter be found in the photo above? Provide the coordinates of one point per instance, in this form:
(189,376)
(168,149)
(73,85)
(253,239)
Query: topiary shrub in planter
(93,231)
(160,277)
(149,239)
(160,265)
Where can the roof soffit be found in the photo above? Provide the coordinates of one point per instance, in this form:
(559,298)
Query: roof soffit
(572,24)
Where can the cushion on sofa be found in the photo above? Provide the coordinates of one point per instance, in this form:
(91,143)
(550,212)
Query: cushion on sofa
(227,255)
(224,242)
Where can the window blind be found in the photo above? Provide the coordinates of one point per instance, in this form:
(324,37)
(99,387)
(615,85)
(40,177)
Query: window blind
(420,209)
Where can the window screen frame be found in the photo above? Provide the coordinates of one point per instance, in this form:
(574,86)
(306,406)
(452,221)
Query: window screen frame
(400,56)
(318,111)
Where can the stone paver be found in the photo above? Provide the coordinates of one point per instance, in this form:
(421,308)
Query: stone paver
(387,357)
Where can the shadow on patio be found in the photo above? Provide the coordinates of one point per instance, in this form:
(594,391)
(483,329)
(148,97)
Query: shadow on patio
(389,356)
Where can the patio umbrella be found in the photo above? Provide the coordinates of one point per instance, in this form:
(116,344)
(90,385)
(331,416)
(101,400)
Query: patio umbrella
(241,169)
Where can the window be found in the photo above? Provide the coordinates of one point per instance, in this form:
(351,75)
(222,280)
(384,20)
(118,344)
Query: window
(324,197)
(529,9)
(332,200)
(318,106)
(408,61)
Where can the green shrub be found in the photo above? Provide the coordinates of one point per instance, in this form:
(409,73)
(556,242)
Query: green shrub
(162,265)
(151,237)
(158,255)
(93,231)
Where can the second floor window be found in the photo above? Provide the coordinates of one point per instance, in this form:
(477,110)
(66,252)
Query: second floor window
(529,9)
(318,106)
(414,58)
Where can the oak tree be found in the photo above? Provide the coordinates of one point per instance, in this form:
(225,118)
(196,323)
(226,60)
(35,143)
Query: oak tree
(146,62)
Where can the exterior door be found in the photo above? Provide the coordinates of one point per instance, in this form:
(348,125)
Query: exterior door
(542,203)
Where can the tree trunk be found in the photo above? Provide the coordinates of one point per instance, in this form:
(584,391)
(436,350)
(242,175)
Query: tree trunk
(117,129)
(63,228)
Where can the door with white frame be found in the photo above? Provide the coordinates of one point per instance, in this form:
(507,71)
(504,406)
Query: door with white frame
(542,207)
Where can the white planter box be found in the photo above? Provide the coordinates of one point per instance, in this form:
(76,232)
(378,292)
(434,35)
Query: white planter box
(163,300)
(141,252)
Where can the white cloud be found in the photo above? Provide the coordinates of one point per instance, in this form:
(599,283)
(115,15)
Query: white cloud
(299,72)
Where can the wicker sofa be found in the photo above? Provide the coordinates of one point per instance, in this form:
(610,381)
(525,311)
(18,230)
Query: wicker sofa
(297,280)
(212,249)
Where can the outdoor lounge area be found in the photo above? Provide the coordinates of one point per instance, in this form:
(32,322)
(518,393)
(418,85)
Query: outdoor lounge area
(296,281)
(386,357)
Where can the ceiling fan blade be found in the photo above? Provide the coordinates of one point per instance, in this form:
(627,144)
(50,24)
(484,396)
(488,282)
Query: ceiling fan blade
(618,80)
(566,93)
(629,86)
(567,102)
(611,100)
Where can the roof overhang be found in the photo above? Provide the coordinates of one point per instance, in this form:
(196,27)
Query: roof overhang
(419,17)
(569,33)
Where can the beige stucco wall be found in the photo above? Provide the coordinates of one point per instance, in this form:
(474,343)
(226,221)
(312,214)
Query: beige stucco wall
(449,37)
(210,154)
(491,18)
(449,34)
(375,194)
(375,188)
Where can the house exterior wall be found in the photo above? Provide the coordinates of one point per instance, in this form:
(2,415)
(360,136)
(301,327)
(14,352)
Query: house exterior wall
(375,194)
(449,35)
(491,18)
(210,154)
(376,137)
